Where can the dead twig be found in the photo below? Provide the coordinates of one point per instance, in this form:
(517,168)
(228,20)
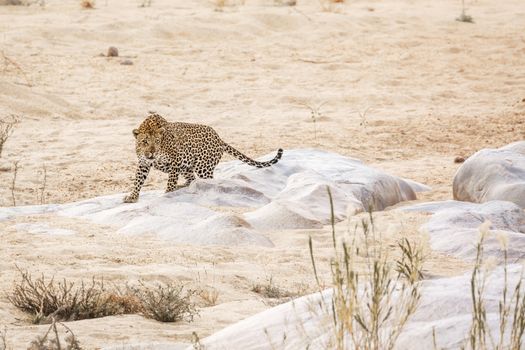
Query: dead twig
(42,196)
(8,61)
(13,182)
(7,126)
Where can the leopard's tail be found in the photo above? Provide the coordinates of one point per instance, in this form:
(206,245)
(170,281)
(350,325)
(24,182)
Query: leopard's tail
(230,150)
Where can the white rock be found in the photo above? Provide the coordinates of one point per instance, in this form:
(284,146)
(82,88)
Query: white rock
(241,201)
(304,323)
(454,228)
(493,174)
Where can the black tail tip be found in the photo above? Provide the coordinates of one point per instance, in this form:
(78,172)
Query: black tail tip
(279,153)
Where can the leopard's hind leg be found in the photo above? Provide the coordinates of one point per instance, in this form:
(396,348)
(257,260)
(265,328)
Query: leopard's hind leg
(205,170)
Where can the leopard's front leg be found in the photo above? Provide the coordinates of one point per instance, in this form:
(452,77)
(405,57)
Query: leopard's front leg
(174,176)
(172,181)
(140,177)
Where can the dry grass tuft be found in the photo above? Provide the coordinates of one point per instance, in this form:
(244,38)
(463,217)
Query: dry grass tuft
(410,265)
(9,62)
(370,305)
(7,126)
(315,115)
(270,290)
(87,4)
(463,17)
(221,4)
(511,306)
(51,340)
(209,296)
(3,339)
(285,2)
(13,3)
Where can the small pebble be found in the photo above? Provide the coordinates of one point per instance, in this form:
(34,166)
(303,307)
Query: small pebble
(112,51)
(459,159)
(126,63)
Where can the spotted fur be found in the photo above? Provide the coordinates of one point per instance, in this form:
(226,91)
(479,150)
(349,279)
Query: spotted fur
(183,149)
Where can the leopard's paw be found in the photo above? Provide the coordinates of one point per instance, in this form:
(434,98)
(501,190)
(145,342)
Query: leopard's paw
(130,198)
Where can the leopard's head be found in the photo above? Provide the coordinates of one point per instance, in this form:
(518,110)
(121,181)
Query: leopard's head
(148,142)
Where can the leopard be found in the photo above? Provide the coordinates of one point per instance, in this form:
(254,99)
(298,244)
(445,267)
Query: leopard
(181,149)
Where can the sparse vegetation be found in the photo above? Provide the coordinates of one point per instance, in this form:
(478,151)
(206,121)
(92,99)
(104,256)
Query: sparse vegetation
(463,17)
(221,4)
(196,341)
(41,191)
(370,306)
(511,307)
(13,182)
(7,127)
(285,2)
(11,2)
(315,115)
(209,296)
(166,302)
(410,265)
(3,339)
(88,4)
(363,116)
(9,62)
(270,290)
(47,300)
(51,340)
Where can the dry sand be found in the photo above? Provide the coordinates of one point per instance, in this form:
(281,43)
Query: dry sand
(430,88)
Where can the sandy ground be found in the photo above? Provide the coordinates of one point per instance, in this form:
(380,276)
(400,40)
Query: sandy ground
(398,84)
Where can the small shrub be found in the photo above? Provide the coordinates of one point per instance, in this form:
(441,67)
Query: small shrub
(7,126)
(48,300)
(270,290)
(315,115)
(463,17)
(285,2)
(168,302)
(12,2)
(51,340)
(87,4)
(209,296)
(3,339)
(220,4)
(10,62)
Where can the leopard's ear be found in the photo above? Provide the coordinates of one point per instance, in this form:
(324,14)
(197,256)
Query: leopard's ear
(161,131)
(135,132)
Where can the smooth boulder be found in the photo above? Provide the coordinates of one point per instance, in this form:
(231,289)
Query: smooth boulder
(241,202)
(493,174)
(454,228)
